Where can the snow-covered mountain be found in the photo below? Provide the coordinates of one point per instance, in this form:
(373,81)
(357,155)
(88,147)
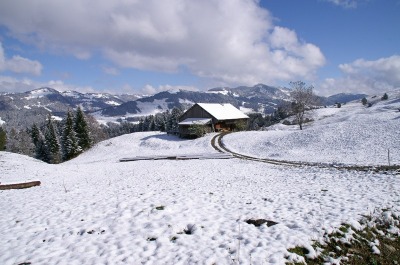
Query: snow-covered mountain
(25,108)
(56,101)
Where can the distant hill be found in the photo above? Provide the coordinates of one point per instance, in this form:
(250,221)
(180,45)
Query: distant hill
(343,98)
(18,109)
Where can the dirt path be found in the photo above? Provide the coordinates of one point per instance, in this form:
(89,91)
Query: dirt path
(218,145)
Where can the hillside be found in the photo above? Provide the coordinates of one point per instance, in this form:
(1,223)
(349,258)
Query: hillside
(352,134)
(96,210)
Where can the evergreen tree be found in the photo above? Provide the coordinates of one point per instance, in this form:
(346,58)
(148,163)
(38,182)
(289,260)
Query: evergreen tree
(153,126)
(385,97)
(174,119)
(364,101)
(69,142)
(41,150)
(38,140)
(81,129)
(146,124)
(52,142)
(3,139)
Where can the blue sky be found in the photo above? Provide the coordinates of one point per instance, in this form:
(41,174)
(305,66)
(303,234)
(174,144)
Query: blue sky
(150,46)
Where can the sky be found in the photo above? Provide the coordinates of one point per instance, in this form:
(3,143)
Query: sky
(148,46)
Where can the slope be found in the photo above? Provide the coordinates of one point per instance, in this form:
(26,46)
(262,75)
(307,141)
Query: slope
(352,134)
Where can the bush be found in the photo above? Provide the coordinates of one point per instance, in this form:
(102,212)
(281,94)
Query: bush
(385,97)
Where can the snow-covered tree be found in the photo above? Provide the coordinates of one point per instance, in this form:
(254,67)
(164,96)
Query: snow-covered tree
(70,147)
(173,120)
(35,132)
(81,129)
(41,150)
(52,142)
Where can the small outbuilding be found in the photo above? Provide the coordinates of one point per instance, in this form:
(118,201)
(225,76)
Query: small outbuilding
(212,117)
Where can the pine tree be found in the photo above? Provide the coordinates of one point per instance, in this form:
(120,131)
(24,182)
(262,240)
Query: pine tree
(41,150)
(35,132)
(81,129)
(52,142)
(38,140)
(70,148)
(3,139)
(364,101)
(385,97)
(174,120)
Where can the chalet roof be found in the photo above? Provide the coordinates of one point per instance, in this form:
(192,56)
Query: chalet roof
(191,121)
(223,111)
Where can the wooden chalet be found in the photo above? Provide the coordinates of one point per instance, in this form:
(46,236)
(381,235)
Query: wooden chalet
(213,116)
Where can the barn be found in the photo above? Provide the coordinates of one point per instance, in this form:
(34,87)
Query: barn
(213,117)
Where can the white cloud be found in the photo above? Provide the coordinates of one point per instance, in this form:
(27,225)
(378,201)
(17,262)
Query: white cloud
(366,76)
(150,90)
(12,84)
(110,70)
(229,41)
(18,64)
(344,3)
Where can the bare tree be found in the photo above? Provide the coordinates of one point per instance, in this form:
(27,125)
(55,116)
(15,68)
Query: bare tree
(303,99)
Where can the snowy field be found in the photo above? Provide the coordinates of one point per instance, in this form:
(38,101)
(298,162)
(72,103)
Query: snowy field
(352,134)
(96,210)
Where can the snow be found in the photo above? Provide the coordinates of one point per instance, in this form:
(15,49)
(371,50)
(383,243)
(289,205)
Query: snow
(72,94)
(96,210)
(222,91)
(223,111)
(246,110)
(1,121)
(186,101)
(352,134)
(38,93)
(147,108)
(112,102)
(191,121)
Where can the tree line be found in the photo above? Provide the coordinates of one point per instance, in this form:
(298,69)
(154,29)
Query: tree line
(55,142)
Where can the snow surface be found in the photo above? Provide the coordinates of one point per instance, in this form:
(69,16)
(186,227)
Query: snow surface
(223,111)
(191,121)
(96,210)
(1,121)
(112,102)
(352,134)
(38,93)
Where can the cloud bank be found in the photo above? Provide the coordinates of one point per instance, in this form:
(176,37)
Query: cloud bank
(229,41)
(18,64)
(365,76)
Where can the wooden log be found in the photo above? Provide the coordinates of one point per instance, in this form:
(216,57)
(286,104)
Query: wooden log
(23,185)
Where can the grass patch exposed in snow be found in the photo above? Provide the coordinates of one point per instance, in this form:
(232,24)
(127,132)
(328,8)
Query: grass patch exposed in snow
(375,241)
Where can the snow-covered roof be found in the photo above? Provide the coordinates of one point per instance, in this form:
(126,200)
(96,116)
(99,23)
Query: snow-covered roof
(191,121)
(223,111)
